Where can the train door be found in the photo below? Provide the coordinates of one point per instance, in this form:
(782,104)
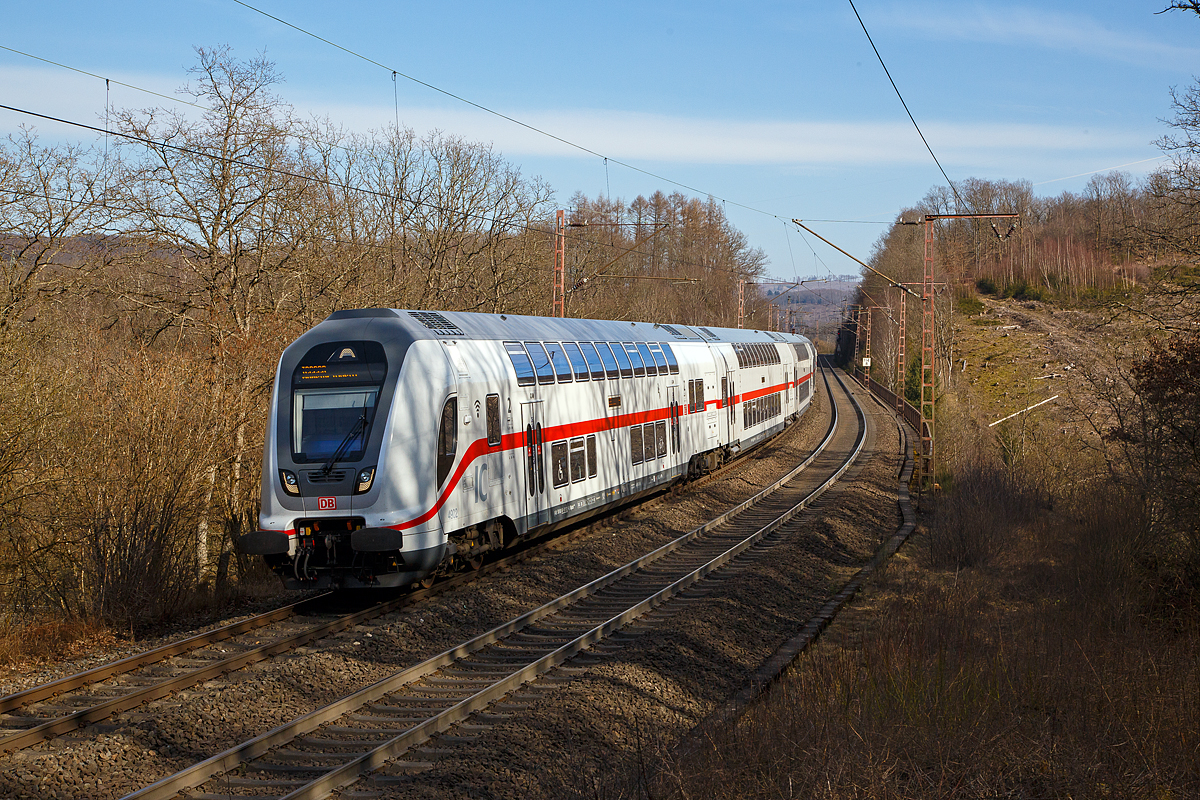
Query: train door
(449,435)
(463,498)
(490,487)
(711,418)
(673,420)
(536,503)
(731,404)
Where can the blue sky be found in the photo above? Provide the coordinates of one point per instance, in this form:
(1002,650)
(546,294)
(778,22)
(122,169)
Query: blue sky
(779,108)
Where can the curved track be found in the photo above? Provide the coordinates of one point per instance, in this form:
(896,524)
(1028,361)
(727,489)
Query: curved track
(76,701)
(470,686)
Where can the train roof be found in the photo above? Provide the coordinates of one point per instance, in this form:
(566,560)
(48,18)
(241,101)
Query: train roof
(468,325)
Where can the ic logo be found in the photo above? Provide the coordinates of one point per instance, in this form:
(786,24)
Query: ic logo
(327,504)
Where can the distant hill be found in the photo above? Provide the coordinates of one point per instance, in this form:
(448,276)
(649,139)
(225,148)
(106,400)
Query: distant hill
(815,305)
(815,296)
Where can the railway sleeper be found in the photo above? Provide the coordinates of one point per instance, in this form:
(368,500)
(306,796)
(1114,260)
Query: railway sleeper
(400,771)
(316,758)
(461,681)
(348,731)
(357,744)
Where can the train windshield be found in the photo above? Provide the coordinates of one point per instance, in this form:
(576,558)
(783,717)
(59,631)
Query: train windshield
(326,421)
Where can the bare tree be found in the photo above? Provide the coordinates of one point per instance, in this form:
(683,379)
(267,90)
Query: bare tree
(49,216)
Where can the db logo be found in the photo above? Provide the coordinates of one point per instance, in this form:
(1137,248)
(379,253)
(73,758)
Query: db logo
(327,504)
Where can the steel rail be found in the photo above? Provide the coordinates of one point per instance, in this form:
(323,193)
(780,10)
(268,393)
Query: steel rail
(349,773)
(234,757)
(129,664)
(78,719)
(101,711)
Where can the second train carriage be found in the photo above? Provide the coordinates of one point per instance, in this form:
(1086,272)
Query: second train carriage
(400,440)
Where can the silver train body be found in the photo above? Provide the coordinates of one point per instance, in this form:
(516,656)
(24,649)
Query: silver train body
(404,442)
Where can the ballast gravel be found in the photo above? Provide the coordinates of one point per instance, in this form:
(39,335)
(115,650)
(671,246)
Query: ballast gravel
(648,693)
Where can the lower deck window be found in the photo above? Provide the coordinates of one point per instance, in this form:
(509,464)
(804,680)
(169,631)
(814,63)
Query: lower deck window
(648,440)
(578,461)
(558,460)
(447,439)
(635,444)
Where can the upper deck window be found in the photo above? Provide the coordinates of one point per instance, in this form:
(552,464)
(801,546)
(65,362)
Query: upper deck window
(611,368)
(659,358)
(618,351)
(521,363)
(644,352)
(639,369)
(577,363)
(562,367)
(670,356)
(541,362)
(593,361)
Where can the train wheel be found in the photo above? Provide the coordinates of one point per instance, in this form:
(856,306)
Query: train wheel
(475,563)
(424,583)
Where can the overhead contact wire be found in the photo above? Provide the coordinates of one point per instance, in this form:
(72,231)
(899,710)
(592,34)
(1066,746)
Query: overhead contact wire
(396,104)
(312,180)
(897,90)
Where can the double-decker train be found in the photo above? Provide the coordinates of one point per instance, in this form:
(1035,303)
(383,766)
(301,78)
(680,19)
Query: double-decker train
(404,442)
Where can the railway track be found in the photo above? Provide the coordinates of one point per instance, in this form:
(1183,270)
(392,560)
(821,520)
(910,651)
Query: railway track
(74,702)
(476,684)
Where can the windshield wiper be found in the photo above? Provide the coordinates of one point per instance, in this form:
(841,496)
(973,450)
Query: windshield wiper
(359,427)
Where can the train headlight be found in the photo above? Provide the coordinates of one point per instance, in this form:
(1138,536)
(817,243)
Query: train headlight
(365,478)
(291,484)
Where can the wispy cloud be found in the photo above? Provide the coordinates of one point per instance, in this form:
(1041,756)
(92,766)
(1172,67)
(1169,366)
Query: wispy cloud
(1030,26)
(639,138)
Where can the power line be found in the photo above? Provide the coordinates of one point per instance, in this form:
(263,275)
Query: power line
(101,77)
(853,221)
(250,165)
(396,102)
(910,116)
(313,180)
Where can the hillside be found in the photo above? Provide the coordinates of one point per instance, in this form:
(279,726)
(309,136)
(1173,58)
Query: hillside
(1036,637)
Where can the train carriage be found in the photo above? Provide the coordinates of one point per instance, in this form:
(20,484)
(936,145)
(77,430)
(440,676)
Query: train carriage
(404,442)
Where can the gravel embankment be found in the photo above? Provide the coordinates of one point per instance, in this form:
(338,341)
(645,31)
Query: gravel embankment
(120,755)
(577,736)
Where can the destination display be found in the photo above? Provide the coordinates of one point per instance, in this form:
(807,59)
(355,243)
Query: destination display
(341,363)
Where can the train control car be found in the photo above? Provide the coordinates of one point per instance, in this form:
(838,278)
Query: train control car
(401,443)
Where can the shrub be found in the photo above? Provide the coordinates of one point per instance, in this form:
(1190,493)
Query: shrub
(1022,290)
(969,306)
(138,491)
(985,286)
(973,522)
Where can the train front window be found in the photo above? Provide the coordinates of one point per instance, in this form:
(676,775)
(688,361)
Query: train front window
(325,421)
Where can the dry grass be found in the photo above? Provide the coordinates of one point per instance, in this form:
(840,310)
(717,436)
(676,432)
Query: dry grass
(1037,639)
(52,641)
(1032,675)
